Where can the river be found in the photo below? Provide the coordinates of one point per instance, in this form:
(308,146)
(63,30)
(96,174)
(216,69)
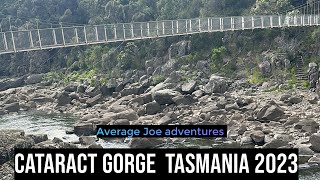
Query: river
(57,125)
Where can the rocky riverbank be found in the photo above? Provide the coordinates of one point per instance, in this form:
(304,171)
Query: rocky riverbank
(255,118)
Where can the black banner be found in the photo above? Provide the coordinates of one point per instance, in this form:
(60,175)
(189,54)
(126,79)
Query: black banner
(161,131)
(163,163)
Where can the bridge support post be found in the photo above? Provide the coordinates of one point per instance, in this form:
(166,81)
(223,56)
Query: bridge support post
(208,24)
(97,34)
(232,24)
(124,32)
(280,23)
(76,33)
(199,25)
(242,22)
(132,32)
(85,34)
(186,26)
(63,39)
(177,23)
(31,39)
(115,32)
(172,27)
(157,29)
(163,31)
(5,41)
(271,21)
(141,30)
(39,36)
(148,28)
(105,33)
(252,21)
(54,37)
(262,22)
(190,23)
(221,24)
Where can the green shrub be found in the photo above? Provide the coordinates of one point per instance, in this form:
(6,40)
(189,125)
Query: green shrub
(158,79)
(256,77)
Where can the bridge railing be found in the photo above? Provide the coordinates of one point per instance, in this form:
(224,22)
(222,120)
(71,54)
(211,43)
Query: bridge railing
(35,39)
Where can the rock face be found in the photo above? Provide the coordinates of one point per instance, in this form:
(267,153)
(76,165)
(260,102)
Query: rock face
(216,84)
(165,96)
(313,74)
(179,49)
(265,68)
(270,112)
(83,129)
(10,139)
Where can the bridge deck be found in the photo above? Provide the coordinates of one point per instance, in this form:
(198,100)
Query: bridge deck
(38,39)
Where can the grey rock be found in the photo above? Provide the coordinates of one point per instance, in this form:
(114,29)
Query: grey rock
(121,122)
(11,83)
(166,96)
(216,84)
(270,112)
(275,143)
(57,140)
(183,99)
(71,88)
(63,99)
(174,77)
(83,129)
(87,140)
(144,143)
(95,100)
(165,120)
(13,107)
(258,137)
(81,88)
(233,106)
(129,114)
(189,87)
(43,99)
(38,138)
(107,91)
(34,79)
(95,146)
(315,142)
(152,108)
(307,125)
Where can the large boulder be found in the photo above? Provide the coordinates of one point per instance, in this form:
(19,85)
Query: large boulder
(63,99)
(313,74)
(258,137)
(165,96)
(307,125)
(315,142)
(270,112)
(83,129)
(152,108)
(216,84)
(189,87)
(34,79)
(179,49)
(95,100)
(11,83)
(265,68)
(183,100)
(13,107)
(129,114)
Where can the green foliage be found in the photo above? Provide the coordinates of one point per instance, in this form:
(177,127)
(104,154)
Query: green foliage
(158,79)
(306,84)
(257,77)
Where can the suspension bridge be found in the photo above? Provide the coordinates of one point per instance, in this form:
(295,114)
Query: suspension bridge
(31,39)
